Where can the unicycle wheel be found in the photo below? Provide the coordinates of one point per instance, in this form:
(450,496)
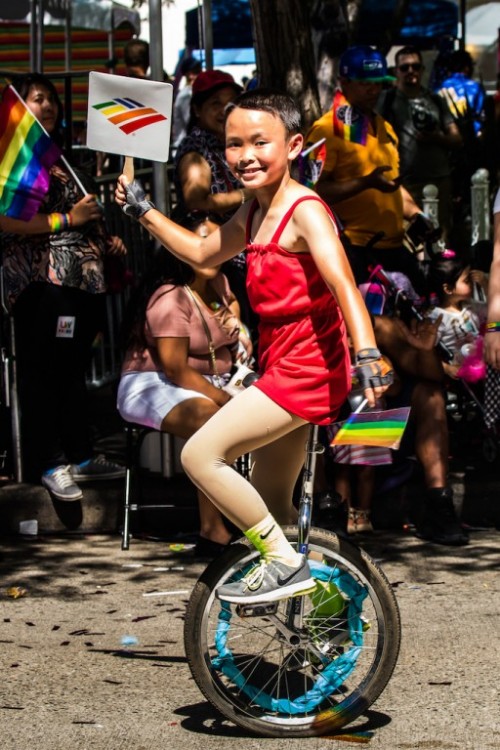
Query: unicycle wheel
(303,666)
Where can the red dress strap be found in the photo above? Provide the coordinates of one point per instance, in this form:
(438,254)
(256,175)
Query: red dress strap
(284,221)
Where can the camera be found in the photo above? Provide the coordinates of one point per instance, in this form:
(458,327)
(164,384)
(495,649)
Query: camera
(422,119)
(241,377)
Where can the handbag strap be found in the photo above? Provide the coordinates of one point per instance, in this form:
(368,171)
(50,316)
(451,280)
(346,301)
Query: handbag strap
(211,347)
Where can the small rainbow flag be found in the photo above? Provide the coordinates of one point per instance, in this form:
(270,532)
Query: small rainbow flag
(311,161)
(27,152)
(379,428)
(349,123)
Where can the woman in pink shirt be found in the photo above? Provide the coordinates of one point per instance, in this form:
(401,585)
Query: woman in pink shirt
(170,381)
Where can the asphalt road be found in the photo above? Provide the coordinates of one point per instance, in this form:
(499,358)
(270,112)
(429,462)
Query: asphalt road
(69,682)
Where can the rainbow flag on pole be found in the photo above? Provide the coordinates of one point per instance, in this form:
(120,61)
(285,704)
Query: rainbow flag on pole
(27,152)
(380,428)
(311,161)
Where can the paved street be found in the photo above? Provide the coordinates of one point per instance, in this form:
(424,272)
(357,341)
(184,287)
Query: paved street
(68,682)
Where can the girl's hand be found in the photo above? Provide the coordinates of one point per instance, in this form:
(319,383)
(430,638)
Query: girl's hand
(87,209)
(422,334)
(374,377)
(116,246)
(121,190)
(248,347)
(132,198)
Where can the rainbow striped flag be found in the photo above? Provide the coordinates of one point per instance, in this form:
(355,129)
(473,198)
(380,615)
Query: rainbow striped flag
(349,124)
(379,428)
(27,152)
(311,161)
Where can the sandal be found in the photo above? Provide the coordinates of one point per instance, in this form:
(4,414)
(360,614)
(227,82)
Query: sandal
(358,521)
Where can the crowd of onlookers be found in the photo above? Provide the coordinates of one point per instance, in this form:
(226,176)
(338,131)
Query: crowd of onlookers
(372,154)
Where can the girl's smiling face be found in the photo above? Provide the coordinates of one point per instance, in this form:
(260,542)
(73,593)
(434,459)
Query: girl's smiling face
(258,148)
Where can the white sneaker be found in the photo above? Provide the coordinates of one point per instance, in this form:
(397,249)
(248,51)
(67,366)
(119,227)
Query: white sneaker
(60,484)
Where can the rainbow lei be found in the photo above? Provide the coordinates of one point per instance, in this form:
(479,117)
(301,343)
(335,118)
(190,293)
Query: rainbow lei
(349,123)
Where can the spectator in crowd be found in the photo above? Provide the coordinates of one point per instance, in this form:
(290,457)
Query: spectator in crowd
(465,96)
(136,58)
(419,369)
(203,180)
(492,341)
(53,271)
(190,68)
(169,380)
(452,280)
(426,131)
(360,179)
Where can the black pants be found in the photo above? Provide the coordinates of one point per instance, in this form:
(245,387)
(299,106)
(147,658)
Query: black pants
(54,328)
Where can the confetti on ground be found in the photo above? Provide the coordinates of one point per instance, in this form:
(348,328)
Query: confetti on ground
(166,593)
(129,640)
(16,592)
(359,737)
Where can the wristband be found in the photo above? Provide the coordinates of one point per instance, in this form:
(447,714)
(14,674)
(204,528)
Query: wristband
(56,222)
(490,327)
(367,355)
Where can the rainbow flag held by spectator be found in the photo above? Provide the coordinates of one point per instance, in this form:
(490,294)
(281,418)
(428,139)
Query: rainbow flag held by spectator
(27,153)
(349,123)
(380,428)
(311,161)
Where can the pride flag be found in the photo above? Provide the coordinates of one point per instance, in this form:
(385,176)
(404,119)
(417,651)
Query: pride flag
(349,123)
(27,152)
(311,162)
(380,428)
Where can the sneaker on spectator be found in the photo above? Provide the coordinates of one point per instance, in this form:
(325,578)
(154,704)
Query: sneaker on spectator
(97,468)
(60,483)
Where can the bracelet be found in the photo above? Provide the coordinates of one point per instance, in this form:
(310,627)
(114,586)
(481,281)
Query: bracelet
(492,327)
(493,330)
(59,222)
(243,199)
(367,355)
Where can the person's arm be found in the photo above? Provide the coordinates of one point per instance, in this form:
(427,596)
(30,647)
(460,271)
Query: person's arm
(200,252)
(85,210)
(195,177)
(173,354)
(448,137)
(314,230)
(492,340)
(410,208)
(332,191)
(413,350)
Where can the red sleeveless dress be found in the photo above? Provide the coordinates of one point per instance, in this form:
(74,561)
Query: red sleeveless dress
(303,356)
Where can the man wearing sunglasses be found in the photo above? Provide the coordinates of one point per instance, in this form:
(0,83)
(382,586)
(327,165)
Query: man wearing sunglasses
(426,131)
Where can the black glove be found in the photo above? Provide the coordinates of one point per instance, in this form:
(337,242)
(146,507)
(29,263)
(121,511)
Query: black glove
(136,205)
(372,372)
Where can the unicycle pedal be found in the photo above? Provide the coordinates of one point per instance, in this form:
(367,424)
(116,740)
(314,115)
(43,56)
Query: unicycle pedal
(257,610)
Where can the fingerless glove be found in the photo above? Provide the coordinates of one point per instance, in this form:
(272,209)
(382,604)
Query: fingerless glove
(137,204)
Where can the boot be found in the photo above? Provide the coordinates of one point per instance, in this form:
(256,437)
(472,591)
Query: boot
(439,522)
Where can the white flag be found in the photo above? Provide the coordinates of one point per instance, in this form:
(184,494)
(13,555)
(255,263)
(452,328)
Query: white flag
(129,116)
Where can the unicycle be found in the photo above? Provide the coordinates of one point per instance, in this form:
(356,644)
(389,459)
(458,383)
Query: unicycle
(306,665)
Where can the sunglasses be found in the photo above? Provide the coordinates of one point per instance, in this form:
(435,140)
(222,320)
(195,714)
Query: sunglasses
(405,67)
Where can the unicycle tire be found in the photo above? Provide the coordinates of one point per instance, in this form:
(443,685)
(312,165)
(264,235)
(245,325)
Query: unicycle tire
(306,674)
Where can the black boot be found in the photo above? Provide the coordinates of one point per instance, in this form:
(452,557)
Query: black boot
(439,522)
(330,512)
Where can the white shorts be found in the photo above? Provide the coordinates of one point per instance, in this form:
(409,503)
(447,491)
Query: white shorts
(147,397)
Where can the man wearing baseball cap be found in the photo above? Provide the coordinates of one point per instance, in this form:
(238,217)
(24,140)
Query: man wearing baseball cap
(360,177)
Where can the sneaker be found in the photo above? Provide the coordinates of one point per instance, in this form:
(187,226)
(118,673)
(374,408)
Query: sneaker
(60,484)
(439,522)
(97,468)
(358,521)
(269,581)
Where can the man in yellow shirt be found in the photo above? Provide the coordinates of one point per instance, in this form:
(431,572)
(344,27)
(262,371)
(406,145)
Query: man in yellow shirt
(360,178)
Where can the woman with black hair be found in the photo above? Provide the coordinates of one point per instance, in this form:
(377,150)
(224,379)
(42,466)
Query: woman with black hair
(181,332)
(53,272)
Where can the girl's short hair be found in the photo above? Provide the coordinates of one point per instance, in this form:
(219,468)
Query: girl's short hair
(274,102)
(446,271)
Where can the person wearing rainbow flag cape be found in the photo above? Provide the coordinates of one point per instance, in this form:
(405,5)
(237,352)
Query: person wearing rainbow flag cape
(360,177)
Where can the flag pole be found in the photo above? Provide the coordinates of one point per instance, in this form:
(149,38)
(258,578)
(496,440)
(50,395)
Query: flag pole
(311,148)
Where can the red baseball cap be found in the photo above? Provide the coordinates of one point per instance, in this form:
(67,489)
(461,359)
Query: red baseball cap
(210,80)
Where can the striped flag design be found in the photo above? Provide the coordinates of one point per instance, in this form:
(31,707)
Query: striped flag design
(128,114)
